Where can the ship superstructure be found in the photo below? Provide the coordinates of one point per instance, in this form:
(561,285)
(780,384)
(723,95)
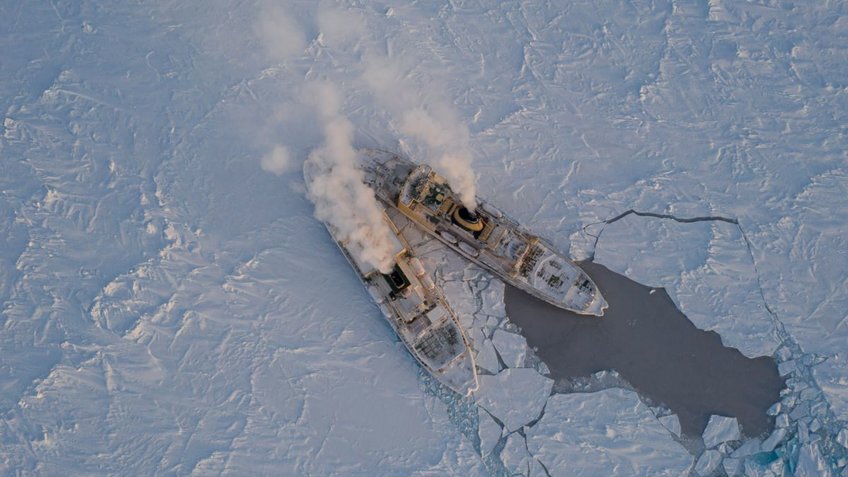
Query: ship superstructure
(485,236)
(417,311)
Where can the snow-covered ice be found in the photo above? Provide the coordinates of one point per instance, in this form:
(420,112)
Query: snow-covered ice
(721,429)
(609,432)
(708,463)
(170,306)
(516,396)
(490,431)
(702,266)
(672,423)
(512,347)
(487,358)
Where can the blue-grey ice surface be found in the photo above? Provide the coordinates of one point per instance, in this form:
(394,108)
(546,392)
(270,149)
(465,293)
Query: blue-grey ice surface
(171,307)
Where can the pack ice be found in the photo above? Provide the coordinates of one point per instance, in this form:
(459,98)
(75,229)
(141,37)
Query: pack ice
(171,307)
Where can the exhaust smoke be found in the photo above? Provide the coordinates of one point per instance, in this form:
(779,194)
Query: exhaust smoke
(338,189)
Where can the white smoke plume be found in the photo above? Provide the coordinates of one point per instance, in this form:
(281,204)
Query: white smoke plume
(428,119)
(278,161)
(338,189)
(281,36)
(449,151)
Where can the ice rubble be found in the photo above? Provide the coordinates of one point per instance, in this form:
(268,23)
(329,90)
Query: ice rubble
(520,398)
(708,463)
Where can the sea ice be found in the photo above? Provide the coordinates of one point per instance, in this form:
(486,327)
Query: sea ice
(515,396)
(486,357)
(511,346)
(604,433)
(749,447)
(811,463)
(732,466)
(514,455)
(708,462)
(704,267)
(159,285)
(672,423)
(488,430)
(721,429)
(774,439)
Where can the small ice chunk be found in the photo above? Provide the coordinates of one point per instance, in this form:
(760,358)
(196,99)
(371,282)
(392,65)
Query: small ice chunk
(789,400)
(786,367)
(803,432)
(708,462)
(810,394)
(721,429)
(774,439)
(778,467)
(672,423)
(493,299)
(842,438)
(514,455)
(732,466)
(476,336)
(782,421)
(511,346)
(811,463)
(801,410)
(819,409)
(488,430)
(486,357)
(774,409)
(749,447)
(515,396)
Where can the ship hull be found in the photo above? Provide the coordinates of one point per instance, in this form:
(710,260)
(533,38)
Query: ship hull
(500,245)
(417,312)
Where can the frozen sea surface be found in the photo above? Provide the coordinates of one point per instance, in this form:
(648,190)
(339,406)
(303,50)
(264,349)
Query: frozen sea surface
(170,306)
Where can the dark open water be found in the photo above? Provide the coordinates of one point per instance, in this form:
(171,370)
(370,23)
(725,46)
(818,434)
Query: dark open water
(654,347)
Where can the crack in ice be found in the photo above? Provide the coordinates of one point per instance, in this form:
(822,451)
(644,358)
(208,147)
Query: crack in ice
(800,378)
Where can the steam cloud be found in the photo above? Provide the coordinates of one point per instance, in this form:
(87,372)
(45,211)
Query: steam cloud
(420,111)
(338,189)
(280,34)
(436,128)
(450,155)
(278,161)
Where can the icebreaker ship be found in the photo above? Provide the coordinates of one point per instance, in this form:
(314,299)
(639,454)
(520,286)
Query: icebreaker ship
(416,309)
(484,236)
